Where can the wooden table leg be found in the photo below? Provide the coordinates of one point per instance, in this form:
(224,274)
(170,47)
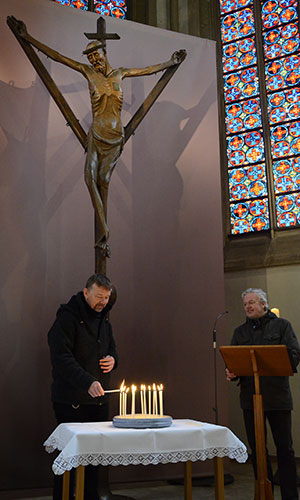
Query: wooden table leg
(66,485)
(188,493)
(219,478)
(79,491)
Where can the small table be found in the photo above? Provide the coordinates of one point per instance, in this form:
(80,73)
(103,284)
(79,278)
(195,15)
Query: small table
(100,443)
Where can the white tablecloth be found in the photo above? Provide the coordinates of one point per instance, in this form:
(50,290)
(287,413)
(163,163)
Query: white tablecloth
(102,443)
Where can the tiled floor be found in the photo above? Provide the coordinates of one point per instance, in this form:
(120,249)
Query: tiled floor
(240,489)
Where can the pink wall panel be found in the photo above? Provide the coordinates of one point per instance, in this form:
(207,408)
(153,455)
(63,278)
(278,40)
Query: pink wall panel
(164,215)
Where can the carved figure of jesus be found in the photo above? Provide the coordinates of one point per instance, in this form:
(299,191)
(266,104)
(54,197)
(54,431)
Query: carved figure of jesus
(106,135)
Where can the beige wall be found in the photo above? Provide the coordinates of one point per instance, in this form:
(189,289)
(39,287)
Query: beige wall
(282,285)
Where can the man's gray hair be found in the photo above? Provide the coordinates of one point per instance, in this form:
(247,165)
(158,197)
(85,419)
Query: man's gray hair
(260,293)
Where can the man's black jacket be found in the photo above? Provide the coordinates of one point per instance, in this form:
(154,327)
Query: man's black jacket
(268,330)
(78,339)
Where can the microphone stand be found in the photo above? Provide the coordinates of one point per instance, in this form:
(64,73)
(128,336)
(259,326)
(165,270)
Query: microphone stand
(210,480)
(228,478)
(215,365)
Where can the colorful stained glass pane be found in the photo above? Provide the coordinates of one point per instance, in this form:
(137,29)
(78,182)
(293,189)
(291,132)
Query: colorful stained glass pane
(244,149)
(286,3)
(240,226)
(288,210)
(294,129)
(239,25)
(272,37)
(286,176)
(282,62)
(251,106)
(258,208)
(234,58)
(241,84)
(274,68)
(247,45)
(273,51)
(253,139)
(275,83)
(103,10)
(288,14)
(252,121)
(248,183)
(291,63)
(118,12)
(77,4)
(296,164)
(114,8)
(245,140)
(271,20)
(269,7)
(249,216)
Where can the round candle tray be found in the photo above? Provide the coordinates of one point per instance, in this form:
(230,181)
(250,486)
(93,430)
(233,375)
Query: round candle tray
(140,421)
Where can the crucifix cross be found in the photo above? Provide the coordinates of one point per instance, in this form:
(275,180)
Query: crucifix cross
(101,33)
(129,129)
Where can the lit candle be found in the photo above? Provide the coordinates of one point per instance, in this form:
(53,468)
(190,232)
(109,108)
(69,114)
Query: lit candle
(149,399)
(155,412)
(121,398)
(160,394)
(142,401)
(144,397)
(133,389)
(125,401)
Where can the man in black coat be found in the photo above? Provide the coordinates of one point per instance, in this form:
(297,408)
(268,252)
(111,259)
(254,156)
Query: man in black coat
(83,353)
(262,327)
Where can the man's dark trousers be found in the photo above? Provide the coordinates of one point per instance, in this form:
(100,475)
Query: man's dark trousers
(281,426)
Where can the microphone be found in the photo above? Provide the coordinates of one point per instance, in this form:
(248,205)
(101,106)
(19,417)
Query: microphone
(215,330)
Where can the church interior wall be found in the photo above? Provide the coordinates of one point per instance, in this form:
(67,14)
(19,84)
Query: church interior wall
(165,219)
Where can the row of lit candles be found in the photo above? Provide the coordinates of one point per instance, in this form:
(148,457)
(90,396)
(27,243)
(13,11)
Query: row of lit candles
(151,400)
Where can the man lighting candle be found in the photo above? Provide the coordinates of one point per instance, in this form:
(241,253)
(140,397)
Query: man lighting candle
(83,353)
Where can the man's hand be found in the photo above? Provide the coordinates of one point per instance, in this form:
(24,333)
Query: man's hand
(178,56)
(18,26)
(107,364)
(229,375)
(96,389)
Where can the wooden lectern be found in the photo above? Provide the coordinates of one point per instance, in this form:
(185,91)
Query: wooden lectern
(258,360)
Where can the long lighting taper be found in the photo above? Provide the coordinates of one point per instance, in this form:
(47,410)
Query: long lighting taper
(122,388)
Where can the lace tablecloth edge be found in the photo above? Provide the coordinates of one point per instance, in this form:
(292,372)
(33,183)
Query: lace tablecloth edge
(62,464)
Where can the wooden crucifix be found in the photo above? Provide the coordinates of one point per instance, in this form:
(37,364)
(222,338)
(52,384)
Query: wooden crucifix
(106,138)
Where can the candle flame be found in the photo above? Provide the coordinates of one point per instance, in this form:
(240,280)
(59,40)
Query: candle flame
(154,387)
(122,386)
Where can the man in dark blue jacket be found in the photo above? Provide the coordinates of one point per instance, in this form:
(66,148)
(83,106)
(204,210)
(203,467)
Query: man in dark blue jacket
(262,327)
(83,353)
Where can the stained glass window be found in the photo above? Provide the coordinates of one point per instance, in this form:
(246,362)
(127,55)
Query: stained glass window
(262,114)
(114,8)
